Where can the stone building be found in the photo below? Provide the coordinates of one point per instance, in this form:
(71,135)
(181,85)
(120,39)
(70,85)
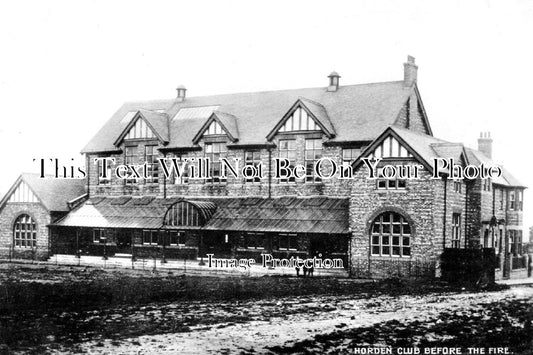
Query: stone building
(379,227)
(28,209)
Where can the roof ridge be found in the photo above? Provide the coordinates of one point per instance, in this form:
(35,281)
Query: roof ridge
(265,91)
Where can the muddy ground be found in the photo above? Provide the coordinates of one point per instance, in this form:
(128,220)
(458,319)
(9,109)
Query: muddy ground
(329,323)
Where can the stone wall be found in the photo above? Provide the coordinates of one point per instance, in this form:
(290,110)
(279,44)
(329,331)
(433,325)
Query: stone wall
(8,215)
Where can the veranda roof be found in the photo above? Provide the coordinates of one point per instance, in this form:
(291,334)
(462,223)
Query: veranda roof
(253,214)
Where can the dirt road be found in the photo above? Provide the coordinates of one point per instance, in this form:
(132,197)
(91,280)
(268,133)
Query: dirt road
(312,324)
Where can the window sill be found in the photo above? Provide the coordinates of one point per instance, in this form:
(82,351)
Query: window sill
(381,257)
(392,190)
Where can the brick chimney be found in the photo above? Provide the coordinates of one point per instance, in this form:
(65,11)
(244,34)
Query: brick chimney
(333,81)
(181,93)
(410,71)
(484,144)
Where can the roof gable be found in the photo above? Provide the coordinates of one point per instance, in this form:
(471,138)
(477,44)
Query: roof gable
(218,123)
(409,145)
(304,115)
(21,192)
(145,124)
(54,194)
(476,157)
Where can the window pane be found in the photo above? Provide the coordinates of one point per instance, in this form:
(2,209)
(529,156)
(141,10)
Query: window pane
(396,229)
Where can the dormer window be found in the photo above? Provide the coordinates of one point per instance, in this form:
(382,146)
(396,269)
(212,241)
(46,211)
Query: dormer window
(299,121)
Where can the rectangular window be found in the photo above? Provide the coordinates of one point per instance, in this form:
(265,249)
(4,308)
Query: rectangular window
(389,184)
(287,150)
(252,158)
(456,230)
(99,236)
(520,200)
(215,151)
(184,177)
(515,242)
(150,157)
(457,186)
(512,201)
(107,180)
(313,152)
(150,237)
(255,241)
(130,158)
(287,242)
(486,184)
(350,154)
(177,238)
(501,199)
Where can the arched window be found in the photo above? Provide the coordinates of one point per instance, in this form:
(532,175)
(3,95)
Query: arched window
(390,235)
(25,232)
(189,213)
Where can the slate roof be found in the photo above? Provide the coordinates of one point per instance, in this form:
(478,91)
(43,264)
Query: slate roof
(427,148)
(159,121)
(355,112)
(53,193)
(507,179)
(283,214)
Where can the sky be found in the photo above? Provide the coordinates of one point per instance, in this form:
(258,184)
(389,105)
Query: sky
(67,66)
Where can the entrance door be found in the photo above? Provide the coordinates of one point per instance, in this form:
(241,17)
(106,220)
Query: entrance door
(124,241)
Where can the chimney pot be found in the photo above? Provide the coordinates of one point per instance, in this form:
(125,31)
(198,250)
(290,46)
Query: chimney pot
(484,144)
(410,71)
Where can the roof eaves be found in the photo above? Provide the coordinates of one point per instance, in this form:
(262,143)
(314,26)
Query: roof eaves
(424,113)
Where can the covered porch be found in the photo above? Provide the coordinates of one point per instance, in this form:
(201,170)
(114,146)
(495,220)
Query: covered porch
(183,229)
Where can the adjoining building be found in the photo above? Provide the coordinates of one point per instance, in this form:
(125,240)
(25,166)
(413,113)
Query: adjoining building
(28,209)
(378,227)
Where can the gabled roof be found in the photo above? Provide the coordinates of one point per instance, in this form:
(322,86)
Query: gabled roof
(227,122)
(425,148)
(314,109)
(156,121)
(357,112)
(421,146)
(53,194)
(506,179)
